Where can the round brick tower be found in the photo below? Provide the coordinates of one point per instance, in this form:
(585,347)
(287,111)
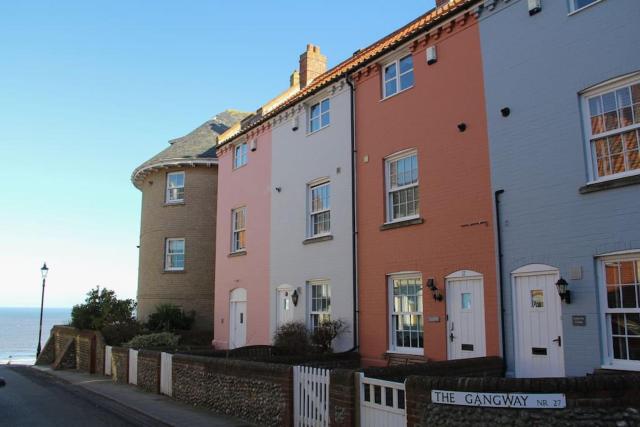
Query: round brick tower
(178,223)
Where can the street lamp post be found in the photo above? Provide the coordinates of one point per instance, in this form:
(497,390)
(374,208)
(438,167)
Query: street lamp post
(44,270)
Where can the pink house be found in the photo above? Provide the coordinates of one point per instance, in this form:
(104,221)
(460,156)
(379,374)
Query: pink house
(242,241)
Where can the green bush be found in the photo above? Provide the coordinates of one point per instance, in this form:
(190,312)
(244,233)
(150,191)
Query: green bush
(169,318)
(120,332)
(292,339)
(161,339)
(326,332)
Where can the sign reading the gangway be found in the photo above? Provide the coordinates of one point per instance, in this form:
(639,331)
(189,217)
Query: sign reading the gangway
(499,400)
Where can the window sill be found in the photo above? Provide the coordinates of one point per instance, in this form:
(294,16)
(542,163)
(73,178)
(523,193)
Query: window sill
(317,239)
(180,203)
(610,184)
(573,12)
(173,271)
(397,93)
(238,253)
(412,353)
(234,168)
(622,367)
(402,223)
(318,130)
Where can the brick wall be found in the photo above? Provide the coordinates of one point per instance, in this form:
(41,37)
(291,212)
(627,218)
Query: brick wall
(85,352)
(599,399)
(342,398)
(149,370)
(259,393)
(120,365)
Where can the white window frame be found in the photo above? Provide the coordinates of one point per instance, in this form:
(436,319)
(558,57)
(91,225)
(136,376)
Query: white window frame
(319,313)
(168,190)
(167,255)
(236,231)
(311,213)
(391,336)
(396,62)
(573,9)
(240,159)
(599,90)
(388,190)
(321,114)
(606,333)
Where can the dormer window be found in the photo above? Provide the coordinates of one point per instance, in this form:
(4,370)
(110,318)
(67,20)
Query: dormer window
(397,76)
(175,187)
(240,155)
(319,115)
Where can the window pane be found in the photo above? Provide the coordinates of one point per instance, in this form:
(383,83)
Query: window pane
(325,119)
(582,3)
(406,64)
(314,125)
(390,87)
(390,72)
(315,110)
(619,348)
(406,80)
(324,105)
(634,348)
(633,324)
(618,324)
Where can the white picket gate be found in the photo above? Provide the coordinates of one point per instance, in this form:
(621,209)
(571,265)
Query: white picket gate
(310,396)
(107,360)
(166,363)
(133,366)
(382,403)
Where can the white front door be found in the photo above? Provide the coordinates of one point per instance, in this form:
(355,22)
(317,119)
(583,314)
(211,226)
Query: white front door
(238,318)
(284,307)
(538,323)
(465,316)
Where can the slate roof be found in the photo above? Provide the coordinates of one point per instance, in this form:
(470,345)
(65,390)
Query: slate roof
(364,56)
(199,144)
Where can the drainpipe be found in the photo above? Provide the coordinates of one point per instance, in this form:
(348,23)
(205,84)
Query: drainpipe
(497,195)
(354,236)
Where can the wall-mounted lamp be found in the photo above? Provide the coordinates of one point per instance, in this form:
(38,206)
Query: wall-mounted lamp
(294,297)
(563,291)
(431,285)
(278,189)
(462,127)
(506,111)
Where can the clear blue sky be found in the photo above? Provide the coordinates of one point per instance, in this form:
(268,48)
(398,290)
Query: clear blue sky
(91,89)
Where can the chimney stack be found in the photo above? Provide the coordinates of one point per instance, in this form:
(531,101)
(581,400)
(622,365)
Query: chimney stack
(312,64)
(441,2)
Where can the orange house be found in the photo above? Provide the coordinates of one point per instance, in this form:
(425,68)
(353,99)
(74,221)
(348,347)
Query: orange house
(426,235)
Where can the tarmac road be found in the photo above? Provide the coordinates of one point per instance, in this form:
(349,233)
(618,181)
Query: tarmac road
(32,398)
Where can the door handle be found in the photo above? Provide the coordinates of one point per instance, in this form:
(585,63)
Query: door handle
(558,340)
(451,337)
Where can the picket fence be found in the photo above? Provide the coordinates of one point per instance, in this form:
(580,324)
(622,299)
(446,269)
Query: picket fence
(310,397)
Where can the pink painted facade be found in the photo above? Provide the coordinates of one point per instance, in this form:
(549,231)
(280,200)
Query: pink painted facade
(247,186)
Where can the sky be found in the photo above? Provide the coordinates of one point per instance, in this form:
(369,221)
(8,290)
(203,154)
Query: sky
(91,89)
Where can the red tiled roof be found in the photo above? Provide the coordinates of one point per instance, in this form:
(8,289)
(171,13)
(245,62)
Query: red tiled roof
(363,56)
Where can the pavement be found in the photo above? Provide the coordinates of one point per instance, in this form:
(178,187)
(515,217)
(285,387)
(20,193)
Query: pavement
(40,396)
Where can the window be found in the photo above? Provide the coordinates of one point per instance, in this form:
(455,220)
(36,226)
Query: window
(240,155)
(407,328)
(402,187)
(398,76)
(175,187)
(320,304)
(174,255)
(579,4)
(319,210)
(622,312)
(614,130)
(319,115)
(238,227)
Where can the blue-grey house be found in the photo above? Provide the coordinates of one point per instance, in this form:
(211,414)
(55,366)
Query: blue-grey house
(563,109)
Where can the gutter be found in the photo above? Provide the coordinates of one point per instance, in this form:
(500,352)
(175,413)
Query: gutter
(354,229)
(497,195)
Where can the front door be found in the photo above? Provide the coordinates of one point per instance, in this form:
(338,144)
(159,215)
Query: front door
(465,316)
(284,307)
(238,318)
(538,323)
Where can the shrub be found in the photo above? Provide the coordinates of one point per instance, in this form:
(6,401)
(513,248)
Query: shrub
(169,318)
(326,332)
(161,339)
(120,332)
(292,338)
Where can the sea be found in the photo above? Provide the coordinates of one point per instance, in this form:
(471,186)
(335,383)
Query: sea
(19,332)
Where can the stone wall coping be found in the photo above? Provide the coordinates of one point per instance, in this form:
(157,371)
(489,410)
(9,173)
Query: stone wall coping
(233,366)
(120,350)
(149,354)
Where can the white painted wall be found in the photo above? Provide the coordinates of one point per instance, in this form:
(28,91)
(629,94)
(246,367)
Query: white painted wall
(297,159)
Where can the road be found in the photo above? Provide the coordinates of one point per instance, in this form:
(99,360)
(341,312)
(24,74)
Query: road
(32,398)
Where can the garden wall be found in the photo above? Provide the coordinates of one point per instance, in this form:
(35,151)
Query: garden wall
(120,365)
(475,367)
(149,370)
(71,348)
(259,393)
(591,400)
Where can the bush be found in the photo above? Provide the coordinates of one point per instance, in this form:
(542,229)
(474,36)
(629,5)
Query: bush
(120,332)
(292,339)
(100,308)
(169,318)
(326,332)
(162,339)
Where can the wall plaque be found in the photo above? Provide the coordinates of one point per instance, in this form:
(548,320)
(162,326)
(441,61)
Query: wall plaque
(579,320)
(433,319)
(499,400)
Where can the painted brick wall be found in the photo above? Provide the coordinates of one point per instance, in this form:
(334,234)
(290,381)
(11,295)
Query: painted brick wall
(537,66)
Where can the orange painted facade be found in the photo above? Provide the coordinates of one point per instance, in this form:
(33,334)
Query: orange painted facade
(455,196)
